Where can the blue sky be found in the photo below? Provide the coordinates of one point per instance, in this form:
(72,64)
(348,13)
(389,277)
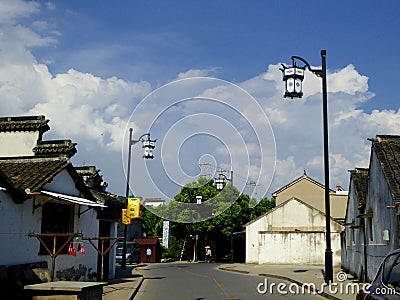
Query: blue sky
(89,66)
(154,40)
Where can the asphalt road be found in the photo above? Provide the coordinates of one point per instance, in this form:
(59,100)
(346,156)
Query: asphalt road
(199,281)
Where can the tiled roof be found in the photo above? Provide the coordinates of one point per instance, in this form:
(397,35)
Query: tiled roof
(387,149)
(55,148)
(18,195)
(109,199)
(360,180)
(28,123)
(113,202)
(92,178)
(31,173)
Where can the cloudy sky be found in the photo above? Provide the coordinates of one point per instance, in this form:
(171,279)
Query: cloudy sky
(203,78)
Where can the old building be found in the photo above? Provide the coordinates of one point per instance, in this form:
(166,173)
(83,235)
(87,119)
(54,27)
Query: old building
(373,228)
(294,233)
(312,192)
(353,238)
(44,200)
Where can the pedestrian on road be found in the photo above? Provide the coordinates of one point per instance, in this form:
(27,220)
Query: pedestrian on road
(208,254)
(148,254)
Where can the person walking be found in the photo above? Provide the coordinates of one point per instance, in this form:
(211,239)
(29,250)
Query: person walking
(148,254)
(208,254)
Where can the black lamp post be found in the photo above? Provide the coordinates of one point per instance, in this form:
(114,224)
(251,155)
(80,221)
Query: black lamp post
(293,76)
(220,181)
(148,146)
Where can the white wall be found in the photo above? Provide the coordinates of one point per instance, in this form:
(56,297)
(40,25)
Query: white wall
(297,248)
(252,247)
(18,143)
(62,183)
(291,233)
(16,222)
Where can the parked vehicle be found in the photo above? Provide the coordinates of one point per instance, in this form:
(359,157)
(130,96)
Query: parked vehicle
(386,284)
(132,252)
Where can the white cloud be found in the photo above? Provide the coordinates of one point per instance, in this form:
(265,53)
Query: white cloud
(87,109)
(12,10)
(297,125)
(100,107)
(93,111)
(196,73)
(347,80)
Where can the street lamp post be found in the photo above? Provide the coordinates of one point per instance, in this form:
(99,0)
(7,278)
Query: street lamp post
(220,186)
(293,76)
(148,146)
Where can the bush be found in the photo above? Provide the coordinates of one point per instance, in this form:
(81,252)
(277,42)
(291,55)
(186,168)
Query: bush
(173,252)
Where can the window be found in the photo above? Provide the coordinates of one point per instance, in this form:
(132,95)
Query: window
(56,218)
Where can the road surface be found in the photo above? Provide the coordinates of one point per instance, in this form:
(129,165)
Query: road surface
(205,281)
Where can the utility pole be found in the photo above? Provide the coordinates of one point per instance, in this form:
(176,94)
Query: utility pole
(203,167)
(252,185)
(222,177)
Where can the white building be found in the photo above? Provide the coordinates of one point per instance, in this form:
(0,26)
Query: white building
(153,202)
(292,233)
(42,194)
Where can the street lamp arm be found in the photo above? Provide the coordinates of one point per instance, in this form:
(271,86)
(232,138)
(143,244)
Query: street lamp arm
(317,72)
(223,175)
(133,142)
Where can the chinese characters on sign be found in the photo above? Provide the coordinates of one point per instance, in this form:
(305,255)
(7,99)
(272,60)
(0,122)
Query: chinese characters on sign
(165,238)
(125,219)
(133,208)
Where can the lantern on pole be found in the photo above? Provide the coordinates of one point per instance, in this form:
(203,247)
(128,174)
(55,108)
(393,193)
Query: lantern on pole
(148,146)
(293,77)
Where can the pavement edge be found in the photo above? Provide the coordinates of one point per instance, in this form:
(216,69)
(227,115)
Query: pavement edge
(135,291)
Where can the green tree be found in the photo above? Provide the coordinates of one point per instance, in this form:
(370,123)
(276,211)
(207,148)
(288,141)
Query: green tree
(226,213)
(152,224)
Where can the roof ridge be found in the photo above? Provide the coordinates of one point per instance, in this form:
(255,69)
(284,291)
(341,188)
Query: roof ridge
(24,123)
(55,147)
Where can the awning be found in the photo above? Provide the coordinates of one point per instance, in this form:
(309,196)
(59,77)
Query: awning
(73,199)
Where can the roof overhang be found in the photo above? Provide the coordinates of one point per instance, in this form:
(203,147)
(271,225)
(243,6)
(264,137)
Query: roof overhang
(72,199)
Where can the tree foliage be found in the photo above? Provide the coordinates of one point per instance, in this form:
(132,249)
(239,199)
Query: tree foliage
(221,215)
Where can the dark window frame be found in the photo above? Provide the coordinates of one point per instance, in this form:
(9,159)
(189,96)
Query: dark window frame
(57,217)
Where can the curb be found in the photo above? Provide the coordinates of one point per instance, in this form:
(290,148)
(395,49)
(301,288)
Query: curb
(233,270)
(135,291)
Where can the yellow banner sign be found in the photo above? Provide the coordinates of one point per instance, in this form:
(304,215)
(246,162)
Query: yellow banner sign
(125,219)
(133,209)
